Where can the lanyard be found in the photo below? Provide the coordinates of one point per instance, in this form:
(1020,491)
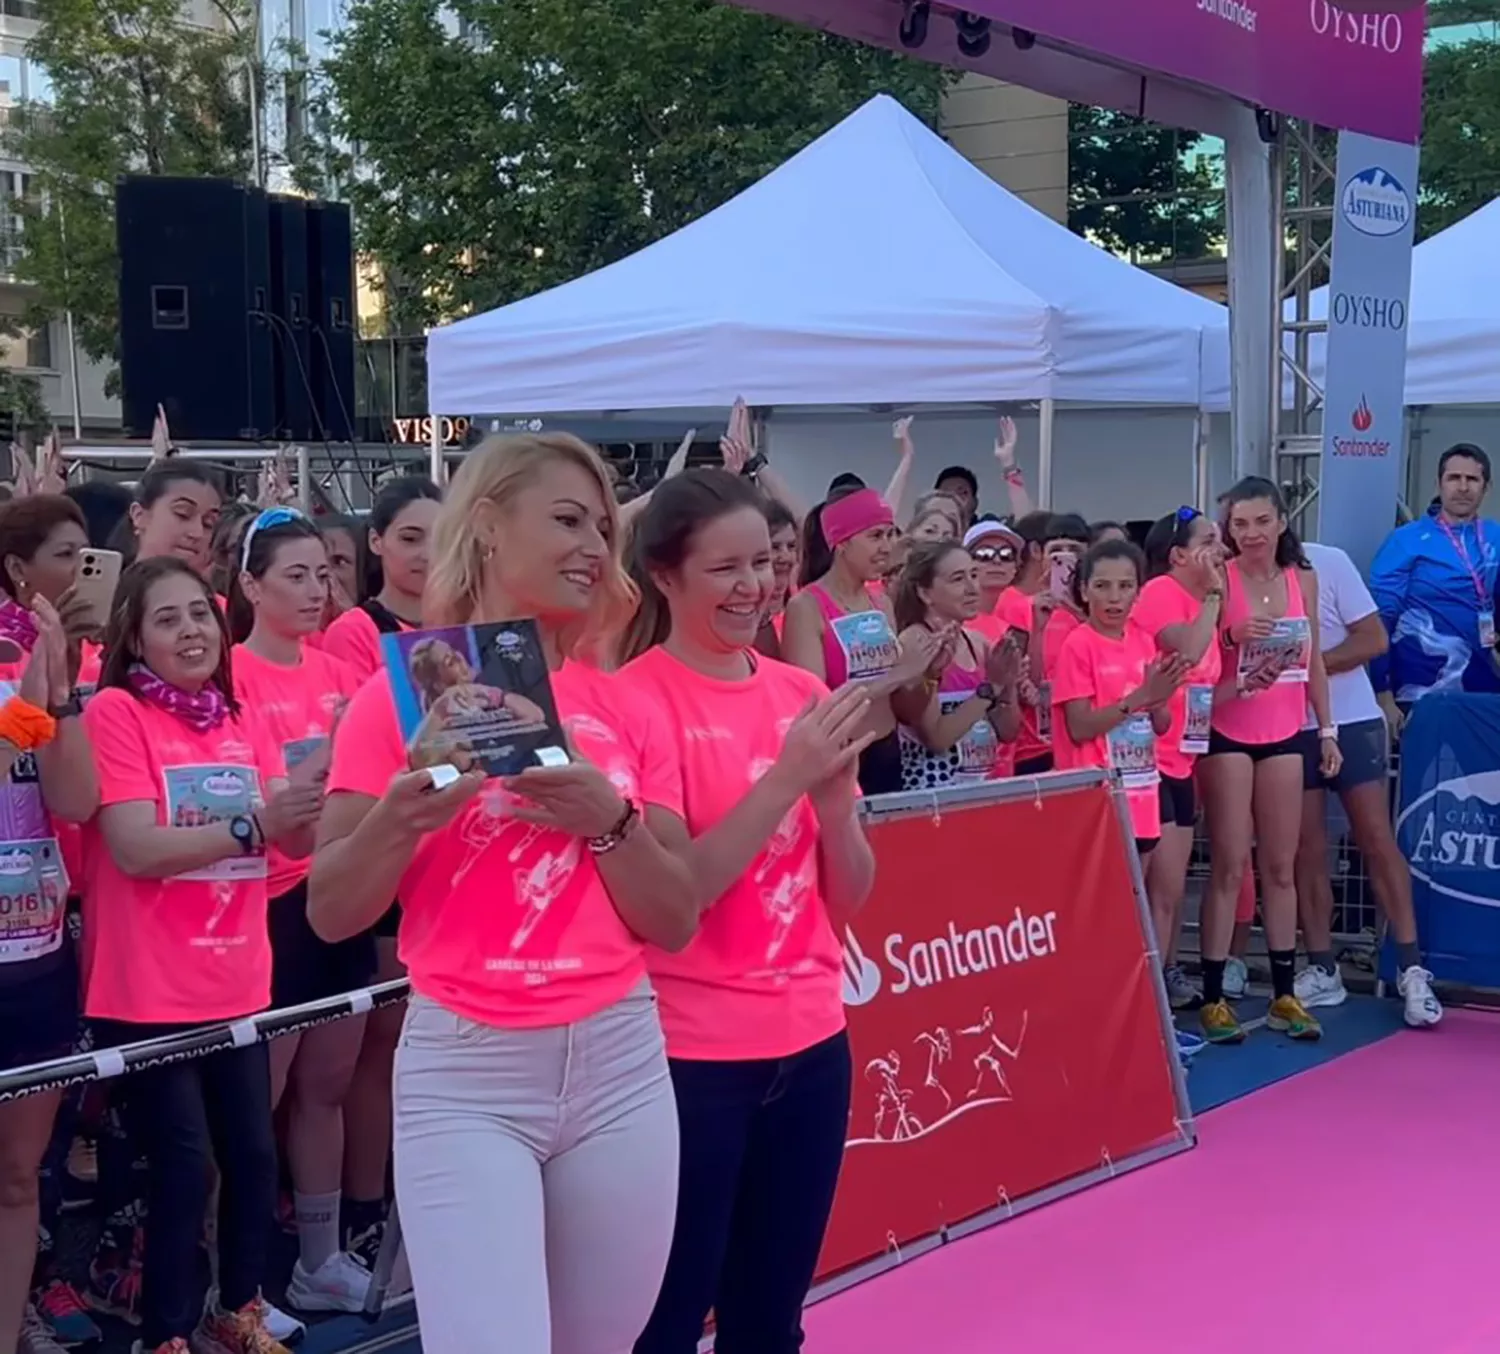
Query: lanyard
(1457,541)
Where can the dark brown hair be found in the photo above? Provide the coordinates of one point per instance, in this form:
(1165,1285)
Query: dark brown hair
(25,525)
(122,640)
(241,614)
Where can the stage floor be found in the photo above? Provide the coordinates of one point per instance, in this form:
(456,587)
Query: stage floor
(1288,1222)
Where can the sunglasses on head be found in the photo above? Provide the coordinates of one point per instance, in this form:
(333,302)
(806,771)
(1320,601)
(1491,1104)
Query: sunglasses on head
(270,517)
(995,554)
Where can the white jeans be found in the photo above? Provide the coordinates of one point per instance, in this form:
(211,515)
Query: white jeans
(536,1174)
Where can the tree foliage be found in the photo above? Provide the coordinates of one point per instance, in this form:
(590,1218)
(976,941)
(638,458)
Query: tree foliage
(505,146)
(136,90)
(1460,159)
(1139,189)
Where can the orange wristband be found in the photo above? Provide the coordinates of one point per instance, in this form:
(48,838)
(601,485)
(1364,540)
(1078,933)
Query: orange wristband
(24,726)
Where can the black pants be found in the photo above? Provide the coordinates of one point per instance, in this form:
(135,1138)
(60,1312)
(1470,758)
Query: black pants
(762,1143)
(188,1117)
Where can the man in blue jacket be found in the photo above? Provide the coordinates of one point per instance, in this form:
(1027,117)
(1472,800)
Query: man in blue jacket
(1434,582)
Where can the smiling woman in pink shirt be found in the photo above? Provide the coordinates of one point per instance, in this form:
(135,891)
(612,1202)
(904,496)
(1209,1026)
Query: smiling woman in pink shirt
(192,793)
(759,800)
(536,1137)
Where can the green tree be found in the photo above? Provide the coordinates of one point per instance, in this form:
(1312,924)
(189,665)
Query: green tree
(1460,162)
(135,90)
(505,146)
(1141,190)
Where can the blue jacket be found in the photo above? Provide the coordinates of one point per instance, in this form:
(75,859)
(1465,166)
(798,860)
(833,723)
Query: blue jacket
(1430,604)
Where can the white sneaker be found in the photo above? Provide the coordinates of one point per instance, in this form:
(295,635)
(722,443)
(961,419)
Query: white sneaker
(1315,986)
(1422,1006)
(339,1284)
(1236,978)
(280,1326)
(1182,992)
(35,1337)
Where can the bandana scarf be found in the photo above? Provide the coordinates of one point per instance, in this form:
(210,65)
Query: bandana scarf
(202,711)
(18,625)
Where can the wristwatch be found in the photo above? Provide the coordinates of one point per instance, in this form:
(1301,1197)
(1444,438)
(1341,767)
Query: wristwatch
(603,845)
(754,466)
(1329,731)
(986,692)
(242,829)
(69,708)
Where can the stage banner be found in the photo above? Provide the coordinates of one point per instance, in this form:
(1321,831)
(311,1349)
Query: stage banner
(1448,827)
(1004,1012)
(1364,382)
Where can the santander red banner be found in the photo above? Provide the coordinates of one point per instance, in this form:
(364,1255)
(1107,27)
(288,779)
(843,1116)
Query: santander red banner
(1357,67)
(1005,1027)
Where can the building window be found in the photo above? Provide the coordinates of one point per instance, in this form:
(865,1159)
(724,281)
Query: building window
(21,9)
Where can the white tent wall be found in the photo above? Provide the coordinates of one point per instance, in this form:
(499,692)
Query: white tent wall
(1107,463)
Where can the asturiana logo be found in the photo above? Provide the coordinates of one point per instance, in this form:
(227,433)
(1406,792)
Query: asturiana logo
(1375,203)
(223,783)
(1451,837)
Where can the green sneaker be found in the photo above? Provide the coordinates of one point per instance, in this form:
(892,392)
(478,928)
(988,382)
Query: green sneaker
(1290,1017)
(1219,1023)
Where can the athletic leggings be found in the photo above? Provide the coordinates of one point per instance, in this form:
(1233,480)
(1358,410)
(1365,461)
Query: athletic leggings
(536,1176)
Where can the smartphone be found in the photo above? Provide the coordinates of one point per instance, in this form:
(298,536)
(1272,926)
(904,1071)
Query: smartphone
(98,577)
(1060,577)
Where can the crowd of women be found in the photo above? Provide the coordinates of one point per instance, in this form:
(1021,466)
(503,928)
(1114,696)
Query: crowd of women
(618,1094)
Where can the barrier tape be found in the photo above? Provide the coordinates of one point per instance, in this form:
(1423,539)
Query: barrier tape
(77,1069)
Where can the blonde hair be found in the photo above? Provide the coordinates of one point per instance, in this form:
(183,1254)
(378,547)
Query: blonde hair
(491,476)
(935,502)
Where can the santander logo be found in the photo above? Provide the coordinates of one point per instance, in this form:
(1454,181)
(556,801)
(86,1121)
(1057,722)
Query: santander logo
(1362,420)
(1361,445)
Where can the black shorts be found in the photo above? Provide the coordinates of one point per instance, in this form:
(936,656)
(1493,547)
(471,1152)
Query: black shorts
(39,1008)
(1179,802)
(304,966)
(1219,744)
(880,766)
(1144,846)
(1035,766)
(1363,744)
(389,923)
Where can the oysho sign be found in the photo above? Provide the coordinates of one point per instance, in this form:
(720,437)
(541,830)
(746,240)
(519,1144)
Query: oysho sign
(1374,202)
(1381,30)
(1364,311)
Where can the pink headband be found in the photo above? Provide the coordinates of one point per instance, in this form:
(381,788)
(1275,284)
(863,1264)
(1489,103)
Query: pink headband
(846,517)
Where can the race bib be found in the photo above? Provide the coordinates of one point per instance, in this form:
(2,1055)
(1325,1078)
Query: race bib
(306,759)
(1198,701)
(33,899)
(1132,752)
(1290,639)
(868,643)
(979,748)
(199,795)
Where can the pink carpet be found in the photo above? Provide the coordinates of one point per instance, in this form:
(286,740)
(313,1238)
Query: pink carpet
(1351,1207)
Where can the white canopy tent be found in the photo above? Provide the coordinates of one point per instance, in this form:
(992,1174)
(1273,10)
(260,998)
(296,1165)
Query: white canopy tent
(1452,321)
(877,266)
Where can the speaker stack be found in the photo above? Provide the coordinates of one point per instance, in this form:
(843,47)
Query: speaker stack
(236,311)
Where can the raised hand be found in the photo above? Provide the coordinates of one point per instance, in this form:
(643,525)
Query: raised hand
(1005,442)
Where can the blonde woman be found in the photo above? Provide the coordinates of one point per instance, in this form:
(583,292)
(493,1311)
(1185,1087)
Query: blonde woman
(535,1128)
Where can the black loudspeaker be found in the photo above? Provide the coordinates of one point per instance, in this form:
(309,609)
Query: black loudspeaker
(194,286)
(291,324)
(331,301)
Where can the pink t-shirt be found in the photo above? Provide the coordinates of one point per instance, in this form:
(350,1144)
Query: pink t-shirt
(1163,603)
(1060,624)
(195,947)
(762,978)
(1277,713)
(355,639)
(502,922)
(298,707)
(1035,740)
(1103,671)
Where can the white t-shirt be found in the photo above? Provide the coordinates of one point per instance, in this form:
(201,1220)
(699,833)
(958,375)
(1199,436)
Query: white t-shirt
(1343,600)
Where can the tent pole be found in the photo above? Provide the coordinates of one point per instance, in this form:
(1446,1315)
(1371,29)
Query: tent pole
(1201,428)
(1044,468)
(436,469)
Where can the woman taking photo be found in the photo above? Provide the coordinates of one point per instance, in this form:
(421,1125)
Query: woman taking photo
(840,632)
(1180,608)
(276,603)
(192,793)
(1252,774)
(1112,690)
(525,902)
(765,820)
(961,727)
(46,779)
(397,548)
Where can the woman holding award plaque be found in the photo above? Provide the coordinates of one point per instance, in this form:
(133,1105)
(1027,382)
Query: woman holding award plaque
(1251,775)
(758,798)
(535,1130)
